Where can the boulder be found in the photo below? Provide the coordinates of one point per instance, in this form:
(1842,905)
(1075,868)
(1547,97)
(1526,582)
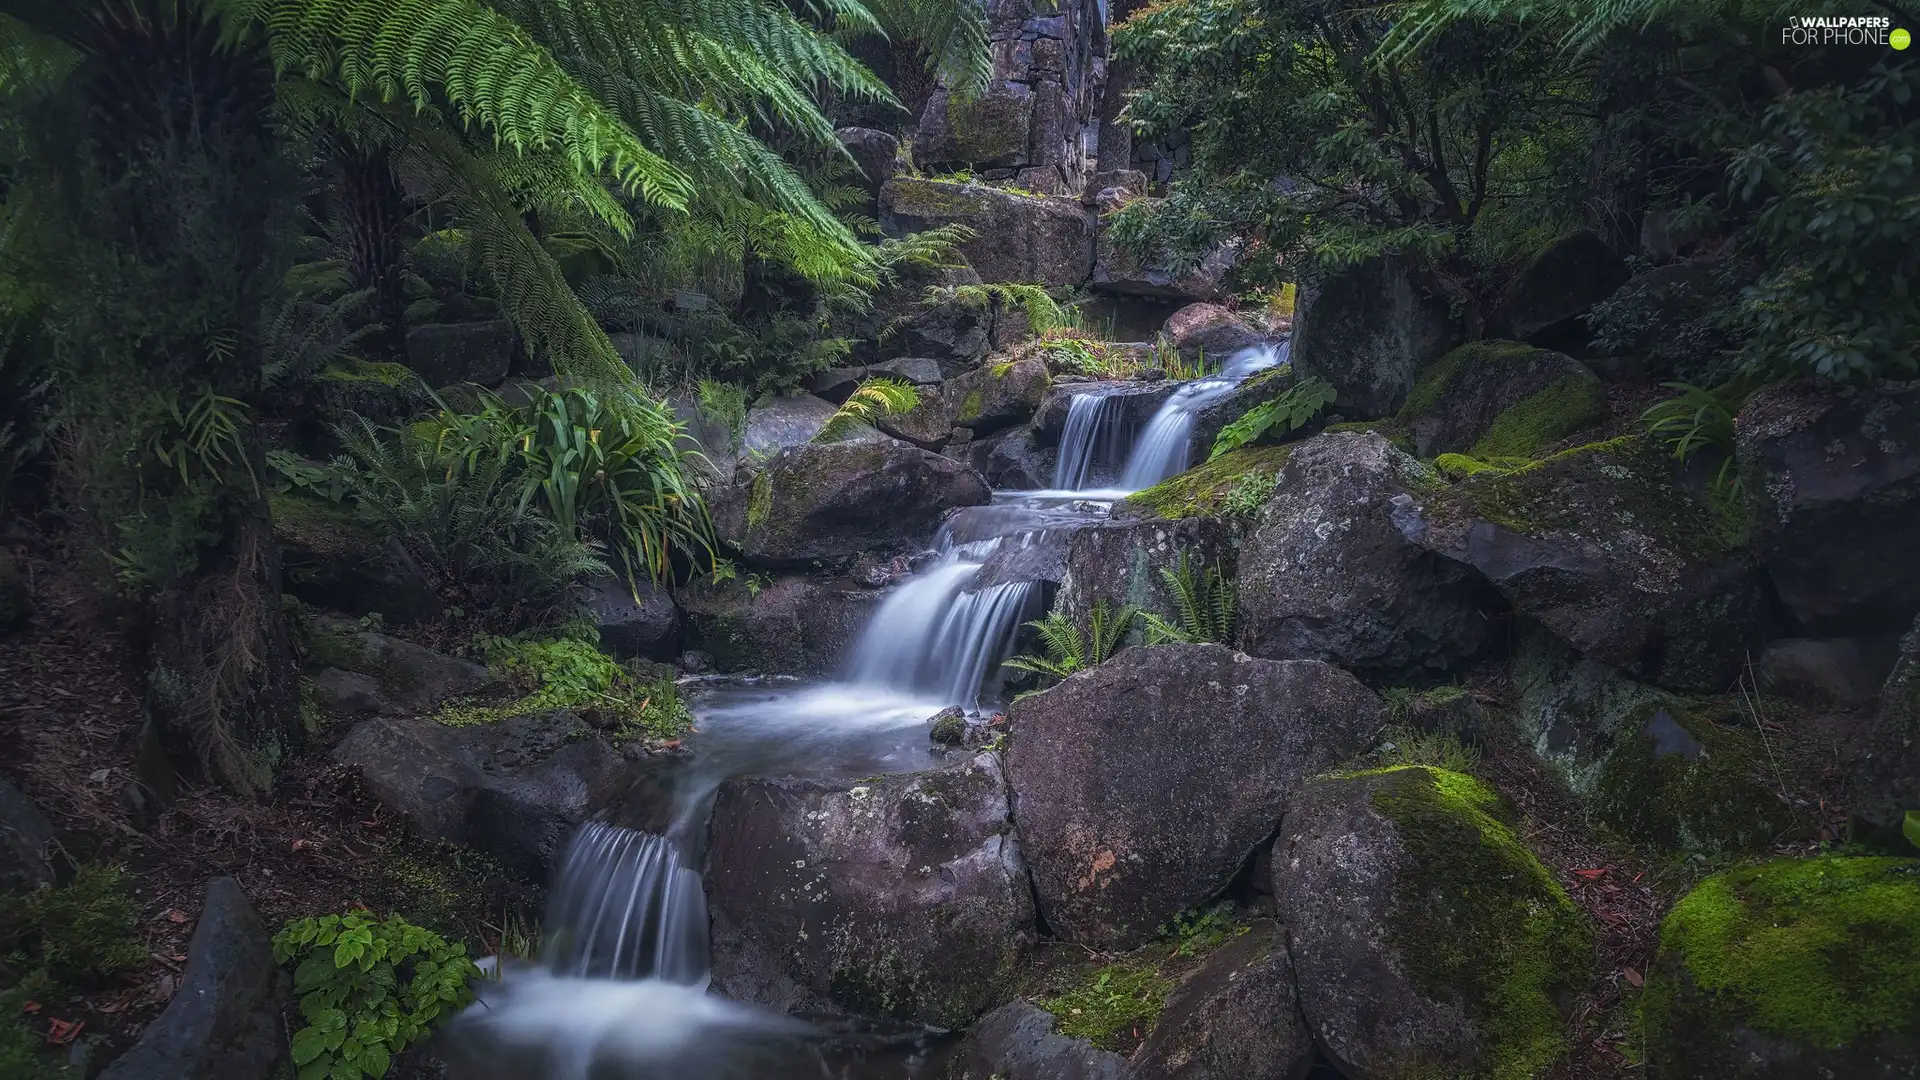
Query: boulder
(1496,399)
(1845,671)
(1262,387)
(1028,239)
(1017,1042)
(331,558)
(1368,329)
(451,354)
(788,626)
(1122,562)
(838,384)
(26,842)
(901,898)
(225,1019)
(1117,270)
(1426,939)
(16,604)
(1141,786)
(513,789)
(385,394)
(1794,968)
(1688,777)
(1328,574)
(410,676)
(1011,461)
(777,423)
(984,400)
(1886,781)
(1235,1018)
(1602,547)
(1209,330)
(876,153)
(1833,482)
(826,503)
(1545,301)
(983,131)
(1233,484)
(349,693)
(646,625)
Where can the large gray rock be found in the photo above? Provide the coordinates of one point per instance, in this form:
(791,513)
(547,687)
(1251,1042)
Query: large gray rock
(1844,671)
(985,400)
(1604,549)
(1501,399)
(1833,480)
(1019,238)
(1017,1042)
(646,625)
(1141,786)
(1886,783)
(225,1019)
(826,503)
(987,130)
(513,789)
(1368,329)
(1544,302)
(1327,573)
(1117,270)
(777,423)
(791,625)
(1011,461)
(451,354)
(875,152)
(1426,939)
(409,675)
(902,897)
(1235,1018)
(838,384)
(26,841)
(1122,562)
(1210,330)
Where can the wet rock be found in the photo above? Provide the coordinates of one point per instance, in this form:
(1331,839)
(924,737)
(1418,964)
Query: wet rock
(1602,547)
(1016,1042)
(900,898)
(1886,782)
(1134,403)
(948,726)
(786,626)
(1235,1018)
(26,841)
(1833,480)
(826,503)
(1426,939)
(1210,330)
(1368,329)
(1836,671)
(1012,461)
(695,662)
(1142,785)
(1545,301)
(332,559)
(513,789)
(225,1019)
(408,675)
(998,396)
(1501,399)
(349,693)
(1794,968)
(1328,574)
(1027,239)
(1261,388)
(16,604)
(1122,562)
(451,354)
(646,625)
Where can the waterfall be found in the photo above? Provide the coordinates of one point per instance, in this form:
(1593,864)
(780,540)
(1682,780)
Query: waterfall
(1164,449)
(625,908)
(1090,436)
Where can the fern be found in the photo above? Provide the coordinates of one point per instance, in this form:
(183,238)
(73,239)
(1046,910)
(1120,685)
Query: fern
(875,398)
(1695,419)
(1066,650)
(952,34)
(1294,409)
(1203,601)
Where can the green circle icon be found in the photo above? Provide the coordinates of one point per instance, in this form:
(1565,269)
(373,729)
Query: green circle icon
(1901,39)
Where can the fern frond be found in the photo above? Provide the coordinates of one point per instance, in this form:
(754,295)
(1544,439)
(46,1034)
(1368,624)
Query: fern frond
(1107,626)
(952,33)
(875,398)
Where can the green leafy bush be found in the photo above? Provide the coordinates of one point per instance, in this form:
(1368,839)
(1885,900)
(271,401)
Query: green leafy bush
(368,990)
(1293,409)
(77,933)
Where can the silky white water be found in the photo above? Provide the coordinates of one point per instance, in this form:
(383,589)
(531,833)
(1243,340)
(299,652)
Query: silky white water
(1164,449)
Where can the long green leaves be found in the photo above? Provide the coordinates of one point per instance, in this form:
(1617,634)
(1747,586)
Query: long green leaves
(1695,419)
(1203,600)
(1289,412)
(1066,650)
(875,398)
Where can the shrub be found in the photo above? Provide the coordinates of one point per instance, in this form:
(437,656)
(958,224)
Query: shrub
(80,932)
(1204,601)
(569,671)
(1067,650)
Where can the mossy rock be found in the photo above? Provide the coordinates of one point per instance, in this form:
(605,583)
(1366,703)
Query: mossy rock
(1203,490)
(1428,941)
(1686,780)
(1794,968)
(1501,399)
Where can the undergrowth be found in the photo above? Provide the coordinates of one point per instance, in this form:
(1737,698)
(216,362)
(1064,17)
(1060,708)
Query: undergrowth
(568,671)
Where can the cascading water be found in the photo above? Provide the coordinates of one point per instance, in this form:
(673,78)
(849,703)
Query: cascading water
(1091,434)
(1165,447)
(625,908)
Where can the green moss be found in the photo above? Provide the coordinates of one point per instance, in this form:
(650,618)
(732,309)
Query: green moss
(1462,466)
(445,887)
(1823,951)
(1718,802)
(337,649)
(570,672)
(1478,919)
(936,199)
(1116,1005)
(1389,430)
(398,376)
(971,406)
(760,499)
(1203,490)
(1434,382)
(1568,405)
(313,719)
(988,126)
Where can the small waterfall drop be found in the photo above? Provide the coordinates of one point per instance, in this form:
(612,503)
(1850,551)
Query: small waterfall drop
(1091,435)
(624,907)
(1165,448)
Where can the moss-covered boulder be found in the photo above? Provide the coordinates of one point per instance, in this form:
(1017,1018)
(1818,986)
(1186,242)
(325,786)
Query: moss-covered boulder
(786,625)
(1028,239)
(1369,328)
(331,558)
(1123,562)
(409,675)
(825,503)
(900,898)
(1327,573)
(1235,1017)
(1603,548)
(1233,484)
(983,131)
(1544,302)
(1427,940)
(1501,399)
(988,399)
(1689,777)
(1143,784)
(1886,782)
(1833,478)
(1795,968)
(1116,269)
(1017,1041)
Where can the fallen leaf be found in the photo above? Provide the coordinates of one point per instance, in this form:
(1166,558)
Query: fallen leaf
(62,1032)
(1633,977)
(1592,875)
(176,916)
(99,776)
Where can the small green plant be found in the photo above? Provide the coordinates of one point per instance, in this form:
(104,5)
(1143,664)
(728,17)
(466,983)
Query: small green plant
(876,397)
(1070,354)
(1122,1000)
(78,933)
(202,441)
(1197,933)
(723,403)
(1910,826)
(1249,493)
(1068,650)
(1042,313)
(368,990)
(569,671)
(1301,403)
(1203,600)
(1438,749)
(295,475)
(1696,418)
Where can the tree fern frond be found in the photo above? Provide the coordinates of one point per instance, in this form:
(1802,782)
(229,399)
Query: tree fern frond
(31,62)
(875,398)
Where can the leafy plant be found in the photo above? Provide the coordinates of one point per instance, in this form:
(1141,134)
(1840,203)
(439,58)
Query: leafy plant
(202,441)
(78,933)
(1203,600)
(1067,650)
(296,475)
(876,397)
(1070,354)
(1439,749)
(1042,313)
(1910,826)
(1118,1001)
(1197,933)
(1291,411)
(724,404)
(568,671)
(368,990)
(1695,419)
(1249,493)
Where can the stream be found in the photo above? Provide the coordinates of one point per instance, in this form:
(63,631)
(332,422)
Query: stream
(619,990)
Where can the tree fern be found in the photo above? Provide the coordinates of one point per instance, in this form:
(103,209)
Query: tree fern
(1203,601)
(875,398)
(951,34)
